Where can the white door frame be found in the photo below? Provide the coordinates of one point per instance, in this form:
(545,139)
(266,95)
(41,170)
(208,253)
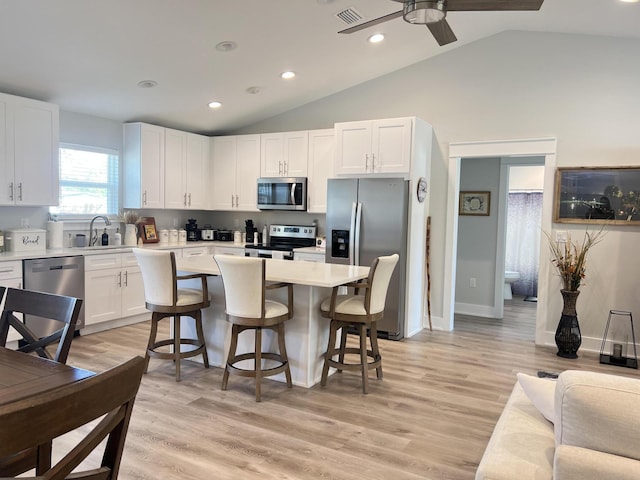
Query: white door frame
(541,147)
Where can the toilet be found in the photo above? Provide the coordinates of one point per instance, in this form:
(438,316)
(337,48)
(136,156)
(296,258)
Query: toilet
(509,278)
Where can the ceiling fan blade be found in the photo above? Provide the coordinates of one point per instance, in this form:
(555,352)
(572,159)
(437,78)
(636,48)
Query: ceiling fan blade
(371,23)
(492,5)
(442,32)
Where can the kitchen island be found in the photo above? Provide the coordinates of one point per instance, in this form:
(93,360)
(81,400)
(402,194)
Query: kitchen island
(306,334)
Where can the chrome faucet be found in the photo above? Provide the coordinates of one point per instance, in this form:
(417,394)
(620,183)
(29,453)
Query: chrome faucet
(93,237)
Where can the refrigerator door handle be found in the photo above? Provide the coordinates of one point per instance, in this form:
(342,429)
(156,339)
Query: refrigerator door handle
(352,224)
(357,235)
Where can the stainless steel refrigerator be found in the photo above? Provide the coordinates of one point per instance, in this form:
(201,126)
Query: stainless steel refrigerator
(367,218)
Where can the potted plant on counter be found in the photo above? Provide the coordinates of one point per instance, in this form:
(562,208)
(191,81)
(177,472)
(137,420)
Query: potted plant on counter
(130,219)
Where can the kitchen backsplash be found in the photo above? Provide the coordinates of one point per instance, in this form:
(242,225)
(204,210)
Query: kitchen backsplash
(37,217)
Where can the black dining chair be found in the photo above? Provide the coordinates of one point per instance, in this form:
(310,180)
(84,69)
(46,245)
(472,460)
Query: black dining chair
(63,309)
(30,425)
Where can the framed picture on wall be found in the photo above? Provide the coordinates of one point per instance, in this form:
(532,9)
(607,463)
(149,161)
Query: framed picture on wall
(148,230)
(601,195)
(475,203)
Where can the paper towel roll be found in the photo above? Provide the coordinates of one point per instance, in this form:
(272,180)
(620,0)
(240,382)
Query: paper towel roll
(55,235)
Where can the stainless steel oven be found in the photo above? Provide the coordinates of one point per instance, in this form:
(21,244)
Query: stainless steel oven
(286,193)
(283,239)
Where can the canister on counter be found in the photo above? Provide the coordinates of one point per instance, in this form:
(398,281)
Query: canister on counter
(173,236)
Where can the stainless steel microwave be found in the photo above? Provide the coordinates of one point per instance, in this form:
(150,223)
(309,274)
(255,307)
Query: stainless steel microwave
(286,193)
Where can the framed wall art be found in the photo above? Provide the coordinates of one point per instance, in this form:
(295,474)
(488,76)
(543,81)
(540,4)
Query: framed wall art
(475,203)
(601,195)
(148,230)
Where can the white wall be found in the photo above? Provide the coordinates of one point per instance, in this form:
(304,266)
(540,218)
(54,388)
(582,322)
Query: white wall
(580,89)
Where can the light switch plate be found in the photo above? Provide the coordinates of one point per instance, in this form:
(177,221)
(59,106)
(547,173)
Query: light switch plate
(561,236)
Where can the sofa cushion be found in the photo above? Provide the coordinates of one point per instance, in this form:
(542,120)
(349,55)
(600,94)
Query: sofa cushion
(541,392)
(522,444)
(575,463)
(598,412)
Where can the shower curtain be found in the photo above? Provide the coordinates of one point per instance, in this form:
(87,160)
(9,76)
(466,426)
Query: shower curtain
(524,215)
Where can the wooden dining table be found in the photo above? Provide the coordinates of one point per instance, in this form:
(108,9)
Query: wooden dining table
(23,375)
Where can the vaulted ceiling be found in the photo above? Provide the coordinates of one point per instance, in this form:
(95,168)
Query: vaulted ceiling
(88,56)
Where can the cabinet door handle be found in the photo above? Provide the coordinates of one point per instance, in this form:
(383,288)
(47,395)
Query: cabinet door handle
(285,168)
(366,162)
(144,197)
(126,278)
(237,201)
(280,167)
(373,163)
(120,279)
(232,204)
(189,200)
(184,201)
(20,191)
(11,191)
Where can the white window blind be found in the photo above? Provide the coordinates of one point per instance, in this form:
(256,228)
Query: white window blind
(88,181)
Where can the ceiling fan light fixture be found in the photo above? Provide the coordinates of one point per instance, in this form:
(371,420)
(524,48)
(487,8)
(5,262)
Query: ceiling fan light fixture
(423,12)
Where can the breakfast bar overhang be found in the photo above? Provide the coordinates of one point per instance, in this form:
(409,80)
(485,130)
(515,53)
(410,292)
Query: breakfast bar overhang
(306,335)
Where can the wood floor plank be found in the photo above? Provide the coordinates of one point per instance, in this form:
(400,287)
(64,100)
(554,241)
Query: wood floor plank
(429,418)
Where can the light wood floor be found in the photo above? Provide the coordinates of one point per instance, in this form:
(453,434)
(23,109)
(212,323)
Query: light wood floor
(430,418)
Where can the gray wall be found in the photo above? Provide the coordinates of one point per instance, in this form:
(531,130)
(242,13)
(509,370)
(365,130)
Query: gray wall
(477,238)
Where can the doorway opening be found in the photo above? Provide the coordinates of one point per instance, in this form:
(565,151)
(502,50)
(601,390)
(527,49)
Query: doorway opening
(543,147)
(524,193)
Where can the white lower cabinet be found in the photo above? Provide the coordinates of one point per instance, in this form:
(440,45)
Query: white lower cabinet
(237,251)
(11,276)
(309,257)
(195,252)
(113,287)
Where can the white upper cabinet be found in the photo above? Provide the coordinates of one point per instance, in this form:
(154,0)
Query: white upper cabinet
(284,154)
(175,158)
(144,165)
(186,160)
(373,147)
(322,150)
(29,135)
(197,171)
(235,168)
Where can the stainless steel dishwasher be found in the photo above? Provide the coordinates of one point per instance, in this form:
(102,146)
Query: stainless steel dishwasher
(61,275)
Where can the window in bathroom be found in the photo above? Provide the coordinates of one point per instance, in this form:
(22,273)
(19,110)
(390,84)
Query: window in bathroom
(88,182)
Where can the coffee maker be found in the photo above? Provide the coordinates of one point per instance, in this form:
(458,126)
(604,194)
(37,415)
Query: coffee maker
(193,234)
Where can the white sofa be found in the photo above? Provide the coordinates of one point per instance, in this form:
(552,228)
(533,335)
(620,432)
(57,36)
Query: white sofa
(594,432)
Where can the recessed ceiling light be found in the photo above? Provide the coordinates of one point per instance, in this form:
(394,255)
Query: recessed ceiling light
(376,38)
(215,104)
(253,90)
(629,1)
(226,46)
(147,84)
(288,75)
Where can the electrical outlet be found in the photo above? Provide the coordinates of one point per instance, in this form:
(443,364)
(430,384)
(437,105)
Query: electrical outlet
(175,222)
(24,222)
(561,236)
(472,282)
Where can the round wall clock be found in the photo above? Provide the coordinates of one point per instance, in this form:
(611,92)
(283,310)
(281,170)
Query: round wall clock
(422,189)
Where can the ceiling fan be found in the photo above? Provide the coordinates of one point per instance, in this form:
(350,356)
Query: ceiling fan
(432,14)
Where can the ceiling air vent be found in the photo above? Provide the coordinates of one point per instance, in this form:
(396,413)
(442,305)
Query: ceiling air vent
(349,16)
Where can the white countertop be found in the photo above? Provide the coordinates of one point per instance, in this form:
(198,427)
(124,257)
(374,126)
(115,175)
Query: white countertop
(300,273)
(97,250)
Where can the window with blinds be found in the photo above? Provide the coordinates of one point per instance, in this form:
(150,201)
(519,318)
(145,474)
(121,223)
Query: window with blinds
(88,181)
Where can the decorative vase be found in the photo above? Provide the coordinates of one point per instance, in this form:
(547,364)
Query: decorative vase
(130,234)
(568,337)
